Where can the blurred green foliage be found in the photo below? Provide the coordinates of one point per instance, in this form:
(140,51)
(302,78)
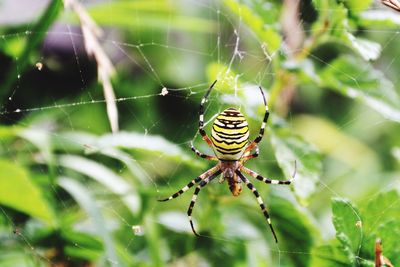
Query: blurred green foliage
(73,194)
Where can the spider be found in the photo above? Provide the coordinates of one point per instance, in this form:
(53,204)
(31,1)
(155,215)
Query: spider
(230,143)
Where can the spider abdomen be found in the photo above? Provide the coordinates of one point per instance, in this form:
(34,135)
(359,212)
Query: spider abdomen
(230,134)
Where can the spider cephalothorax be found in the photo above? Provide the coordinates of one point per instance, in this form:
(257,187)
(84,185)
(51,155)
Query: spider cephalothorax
(230,142)
(229,169)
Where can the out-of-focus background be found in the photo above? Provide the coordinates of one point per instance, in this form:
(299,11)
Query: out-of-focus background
(99,105)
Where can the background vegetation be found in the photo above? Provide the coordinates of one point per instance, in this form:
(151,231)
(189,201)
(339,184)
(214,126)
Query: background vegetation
(72,193)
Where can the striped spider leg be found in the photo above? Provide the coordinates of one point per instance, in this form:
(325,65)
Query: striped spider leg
(194,197)
(259,200)
(205,178)
(201,127)
(201,155)
(269,181)
(248,156)
(201,116)
(262,129)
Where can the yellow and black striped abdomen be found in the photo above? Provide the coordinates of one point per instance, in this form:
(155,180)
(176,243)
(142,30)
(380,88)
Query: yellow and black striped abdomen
(230,134)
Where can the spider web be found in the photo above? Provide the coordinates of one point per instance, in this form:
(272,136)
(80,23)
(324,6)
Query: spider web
(241,51)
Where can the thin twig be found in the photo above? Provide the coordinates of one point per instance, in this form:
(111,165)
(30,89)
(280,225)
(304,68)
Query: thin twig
(394,4)
(91,32)
(294,39)
(381,260)
(291,26)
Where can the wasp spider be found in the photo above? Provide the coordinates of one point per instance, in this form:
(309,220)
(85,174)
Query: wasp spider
(230,143)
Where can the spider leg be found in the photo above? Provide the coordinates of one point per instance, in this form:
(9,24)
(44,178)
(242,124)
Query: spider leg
(201,116)
(194,197)
(254,155)
(206,174)
(204,156)
(269,181)
(262,129)
(259,200)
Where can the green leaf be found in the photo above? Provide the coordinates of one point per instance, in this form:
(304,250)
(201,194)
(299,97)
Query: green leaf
(367,49)
(379,18)
(256,252)
(17,191)
(153,240)
(16,256)
(41,139)
(358,234)
(290,148)
(75,141)
(84,198)
(8,132)
(381,219)
(153,6)
(110,143)
(266,33)
(374,215)
(396,153)
(149,15)
(333,141)
(355,79)
(175,221)
(295,230)
(130,140)
(93,247)
(228,80)
(346,220)
(389,233)
(14,45)
(132,165)
(321,5)
(329,256)
(357,6)
(339,31)
(149,143)
(104,176)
